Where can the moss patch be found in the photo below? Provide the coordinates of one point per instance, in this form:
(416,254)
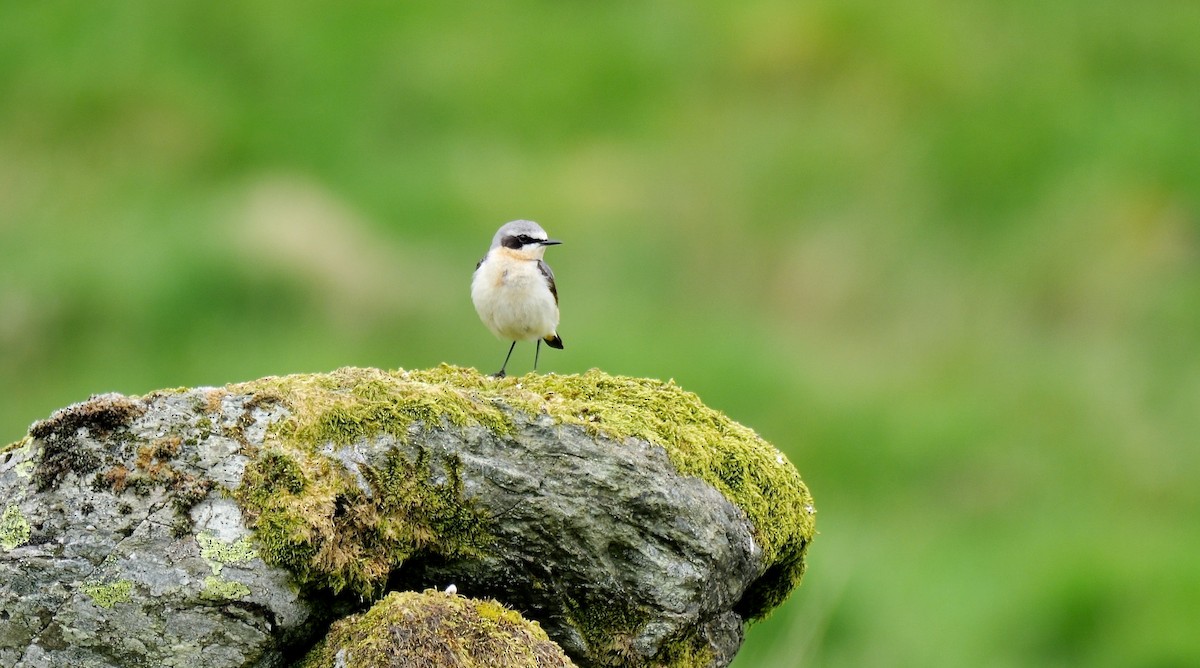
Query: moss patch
(690,651)
(62,452)
(110,594)
(14,528)
(101,414)
(311,516)
(436,629)
(608,627)
(352,404)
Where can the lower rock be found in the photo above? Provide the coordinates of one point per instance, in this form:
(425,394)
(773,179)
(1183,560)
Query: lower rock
(436,630)
(227,527)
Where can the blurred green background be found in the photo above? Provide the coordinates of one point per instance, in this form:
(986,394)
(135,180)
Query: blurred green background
(946,255)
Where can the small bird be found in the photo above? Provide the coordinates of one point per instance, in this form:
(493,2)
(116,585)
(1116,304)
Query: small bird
(513,289)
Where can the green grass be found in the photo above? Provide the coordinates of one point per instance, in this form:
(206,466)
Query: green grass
(945,255)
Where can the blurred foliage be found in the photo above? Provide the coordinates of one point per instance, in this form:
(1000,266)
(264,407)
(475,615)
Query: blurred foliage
(946,255)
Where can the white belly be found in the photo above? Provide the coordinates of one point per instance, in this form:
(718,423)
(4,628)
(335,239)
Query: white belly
(515,303)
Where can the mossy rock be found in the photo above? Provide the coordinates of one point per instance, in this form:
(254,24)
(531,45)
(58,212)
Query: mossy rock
(352,404)
(433,629)
(636,525)
(375,477)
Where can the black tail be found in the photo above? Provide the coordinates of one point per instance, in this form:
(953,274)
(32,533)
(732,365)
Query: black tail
(553,341)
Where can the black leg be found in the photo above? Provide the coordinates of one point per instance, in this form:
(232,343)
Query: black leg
(500,373)
(536,352)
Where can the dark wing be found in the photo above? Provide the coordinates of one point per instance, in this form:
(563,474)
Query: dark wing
(549,276)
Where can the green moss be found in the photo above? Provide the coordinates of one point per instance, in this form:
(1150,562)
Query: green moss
(690,651)
(205,427)
(218,553)
(108,595)
(311,517)
(352,404)
(276,472)
(437,629)
(219,589)
(14,528)
(607,626)
(497,614)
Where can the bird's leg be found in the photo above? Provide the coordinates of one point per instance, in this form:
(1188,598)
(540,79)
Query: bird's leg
(500,373)
(536,352)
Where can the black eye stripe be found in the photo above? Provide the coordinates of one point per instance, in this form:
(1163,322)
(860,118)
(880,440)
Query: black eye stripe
(514,241)
(517,241)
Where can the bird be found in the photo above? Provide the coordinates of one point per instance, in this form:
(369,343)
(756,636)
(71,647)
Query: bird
(513,289)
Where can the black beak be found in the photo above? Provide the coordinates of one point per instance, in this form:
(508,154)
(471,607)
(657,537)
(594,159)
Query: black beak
(551,242)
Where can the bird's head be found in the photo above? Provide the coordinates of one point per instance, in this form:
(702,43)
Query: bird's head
(524,238)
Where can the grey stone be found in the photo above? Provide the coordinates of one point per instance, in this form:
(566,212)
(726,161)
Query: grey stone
(127,540)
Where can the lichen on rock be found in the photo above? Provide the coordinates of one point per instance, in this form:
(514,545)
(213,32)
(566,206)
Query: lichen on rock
(218,553)
(638,526)
(108,594)
(219,589)
(437,630)
(14,528)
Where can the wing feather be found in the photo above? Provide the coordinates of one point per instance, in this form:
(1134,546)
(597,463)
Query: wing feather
(548,274)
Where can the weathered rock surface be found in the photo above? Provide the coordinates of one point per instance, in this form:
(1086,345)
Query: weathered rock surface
(229,526)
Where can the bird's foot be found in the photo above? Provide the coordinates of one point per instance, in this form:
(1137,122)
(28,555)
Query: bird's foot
(499,374)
